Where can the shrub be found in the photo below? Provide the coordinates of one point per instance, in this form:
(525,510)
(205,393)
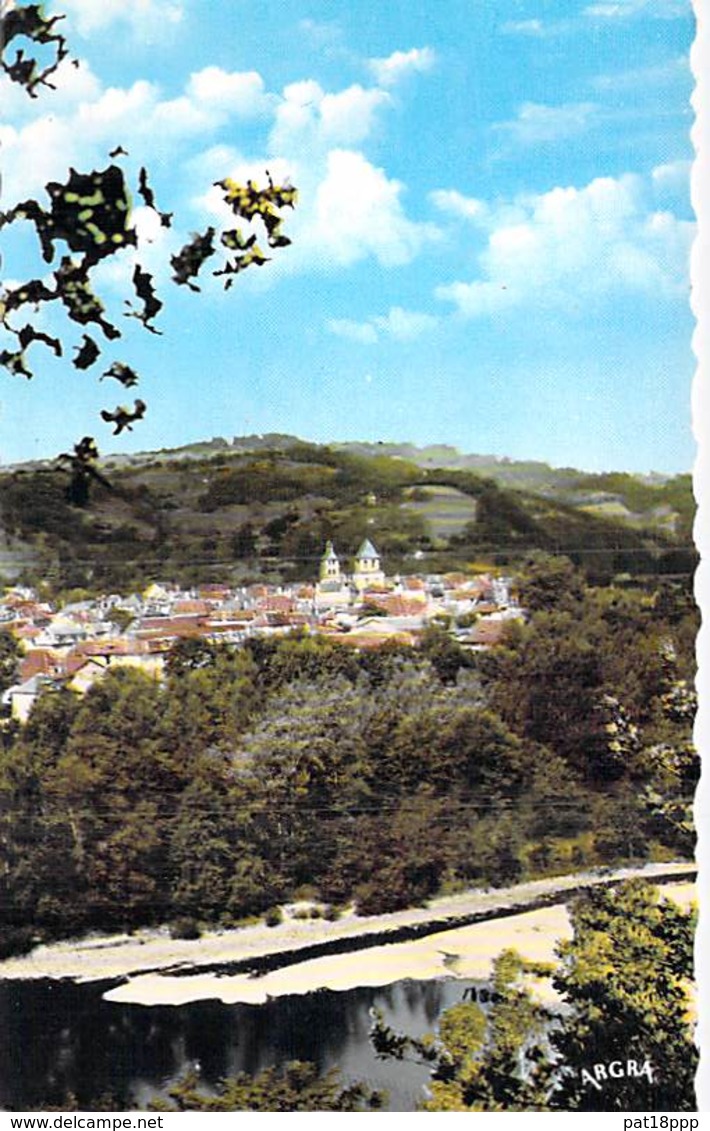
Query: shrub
(185,928)
(273,917)
(16,940)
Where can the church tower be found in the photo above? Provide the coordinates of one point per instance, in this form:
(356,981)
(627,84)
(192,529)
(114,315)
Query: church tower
(330,564)
(332,590)
(367,570)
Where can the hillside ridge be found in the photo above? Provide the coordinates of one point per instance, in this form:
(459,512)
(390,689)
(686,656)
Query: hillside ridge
(263,507)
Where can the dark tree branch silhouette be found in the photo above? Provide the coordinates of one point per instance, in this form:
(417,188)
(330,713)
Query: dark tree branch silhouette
(87,220)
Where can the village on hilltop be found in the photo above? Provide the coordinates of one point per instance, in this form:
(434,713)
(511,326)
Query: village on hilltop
(76,644)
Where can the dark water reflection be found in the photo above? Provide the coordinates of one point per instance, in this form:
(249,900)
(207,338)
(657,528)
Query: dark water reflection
(58,1038)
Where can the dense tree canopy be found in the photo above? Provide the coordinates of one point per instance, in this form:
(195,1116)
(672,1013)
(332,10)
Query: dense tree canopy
(292,763)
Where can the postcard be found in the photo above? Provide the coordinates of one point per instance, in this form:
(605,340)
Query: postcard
(348,618)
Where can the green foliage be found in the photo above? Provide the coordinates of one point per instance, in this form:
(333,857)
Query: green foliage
(444,654)
(624,983)
(298,1086)
(185,928)
(624,975)
(548,583)
(373,777)
(482,1061)
(16,941)
(9,659)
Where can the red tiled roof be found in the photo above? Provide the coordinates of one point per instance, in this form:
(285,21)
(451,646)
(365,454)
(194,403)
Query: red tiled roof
(115,646)
(75,663)
(487,632)
(170,628)
(234,616)
(39,661)
(373,640)
(414,583)
(397,606)
(189,607)
(214,592)
(277,603)
(169,623)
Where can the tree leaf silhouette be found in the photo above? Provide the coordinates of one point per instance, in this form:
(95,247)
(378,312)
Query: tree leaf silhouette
(123,373)
(123,418)
(29,23)
(29,334)
(88,353)
(187,263)
(76,294)
(90,215)
(152,305)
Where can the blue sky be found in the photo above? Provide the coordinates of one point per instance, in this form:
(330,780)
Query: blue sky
(490,247)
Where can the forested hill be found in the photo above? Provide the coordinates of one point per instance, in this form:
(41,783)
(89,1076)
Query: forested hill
(263,507)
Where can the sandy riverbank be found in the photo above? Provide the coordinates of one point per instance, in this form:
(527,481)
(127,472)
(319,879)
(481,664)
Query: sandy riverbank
(464,952)
(149,959)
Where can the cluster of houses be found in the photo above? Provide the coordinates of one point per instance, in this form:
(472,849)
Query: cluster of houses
(77,644)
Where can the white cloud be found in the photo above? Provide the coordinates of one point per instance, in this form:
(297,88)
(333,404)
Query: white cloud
(117,113)
(641,77)
(599,11)
(358,213)
(523,27)
(73,82)
(362,332)
(326,38)
(672,178)
(537,28)
(477,299)
(456,204)
(321,33)
(309,119)
(575,246)
(39,152)
(348,117)
(72,85)
(84,121)
(348,210)
(400,324)
(96,15)
(241,93)
(626,9)
(390,70)
(537,123)
(405,325)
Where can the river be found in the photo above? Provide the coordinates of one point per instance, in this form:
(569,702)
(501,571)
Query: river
(61,1038)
